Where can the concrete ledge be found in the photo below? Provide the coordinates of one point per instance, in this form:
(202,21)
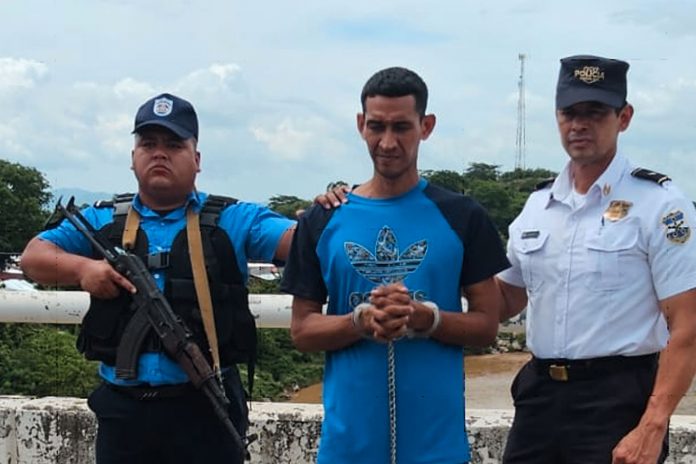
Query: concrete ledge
(55,430)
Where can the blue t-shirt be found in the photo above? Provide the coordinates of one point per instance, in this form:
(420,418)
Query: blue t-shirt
(344,254)
(254,232)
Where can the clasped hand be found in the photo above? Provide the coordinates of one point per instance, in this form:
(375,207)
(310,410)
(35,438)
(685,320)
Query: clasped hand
(392,313)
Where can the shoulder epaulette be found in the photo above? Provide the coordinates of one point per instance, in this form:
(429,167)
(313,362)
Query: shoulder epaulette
(647,174)
(544,183)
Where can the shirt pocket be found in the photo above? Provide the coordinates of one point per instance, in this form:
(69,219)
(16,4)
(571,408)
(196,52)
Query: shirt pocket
(609,248)
(530,248)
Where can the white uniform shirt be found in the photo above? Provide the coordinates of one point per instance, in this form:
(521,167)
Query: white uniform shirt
(594,274)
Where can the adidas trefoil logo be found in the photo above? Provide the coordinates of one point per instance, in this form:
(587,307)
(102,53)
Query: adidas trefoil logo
(386,266)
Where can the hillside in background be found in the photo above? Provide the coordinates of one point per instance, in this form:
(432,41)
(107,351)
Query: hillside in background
(81,196)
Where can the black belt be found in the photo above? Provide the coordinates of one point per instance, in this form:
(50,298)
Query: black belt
(564,370)
(146,393)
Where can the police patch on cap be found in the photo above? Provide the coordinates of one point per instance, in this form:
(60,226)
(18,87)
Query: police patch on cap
(589,74)
(168,111)
(162,106)
(587,78)
(676,230)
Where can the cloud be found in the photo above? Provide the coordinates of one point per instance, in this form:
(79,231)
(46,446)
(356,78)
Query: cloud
(20,72)
(129,87)
(276,84)
(380,30)
(671,18)
(214,78)
(9,141)
(671,101)
(111,131)
(289,139)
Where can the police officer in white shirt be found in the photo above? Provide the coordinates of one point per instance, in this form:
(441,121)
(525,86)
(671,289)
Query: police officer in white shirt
(604,260)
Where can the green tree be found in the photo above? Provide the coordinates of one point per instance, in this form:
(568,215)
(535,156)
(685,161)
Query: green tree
(497,199)
(42,361)
(280,368)
(502,194)
(450,180)
(482,171)
(288,205)
(338,183)
(24,195)
(526,180)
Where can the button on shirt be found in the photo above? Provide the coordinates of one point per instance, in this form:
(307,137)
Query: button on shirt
(254,232)
(596,271)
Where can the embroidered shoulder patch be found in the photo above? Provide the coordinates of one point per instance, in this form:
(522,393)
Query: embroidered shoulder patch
(676,230)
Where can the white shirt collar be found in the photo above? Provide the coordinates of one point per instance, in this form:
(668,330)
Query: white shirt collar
(563,185)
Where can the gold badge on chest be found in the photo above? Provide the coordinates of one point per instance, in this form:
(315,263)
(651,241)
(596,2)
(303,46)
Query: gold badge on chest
(617,209)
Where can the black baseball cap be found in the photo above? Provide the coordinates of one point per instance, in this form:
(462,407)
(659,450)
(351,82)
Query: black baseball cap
(585,78)
(170,111)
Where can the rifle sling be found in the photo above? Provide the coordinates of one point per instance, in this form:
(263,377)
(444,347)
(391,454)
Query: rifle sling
(200,276)
(130,231)
(200,281)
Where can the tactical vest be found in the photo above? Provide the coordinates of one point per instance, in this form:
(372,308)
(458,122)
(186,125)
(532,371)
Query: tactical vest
(105,321)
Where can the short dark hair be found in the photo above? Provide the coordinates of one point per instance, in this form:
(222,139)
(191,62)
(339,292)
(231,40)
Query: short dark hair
(396,82)
(620,109)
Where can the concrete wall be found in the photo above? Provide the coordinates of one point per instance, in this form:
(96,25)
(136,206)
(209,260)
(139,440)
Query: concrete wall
(61,431)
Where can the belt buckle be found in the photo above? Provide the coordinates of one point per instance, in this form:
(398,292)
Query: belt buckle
(558,372)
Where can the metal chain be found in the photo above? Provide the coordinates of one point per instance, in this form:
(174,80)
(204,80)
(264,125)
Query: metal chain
(391,386)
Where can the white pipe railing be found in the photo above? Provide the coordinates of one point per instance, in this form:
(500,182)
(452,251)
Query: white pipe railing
(61,307)
(51,307)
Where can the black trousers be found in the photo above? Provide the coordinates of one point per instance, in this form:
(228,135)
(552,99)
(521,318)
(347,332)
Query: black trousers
(173,430)
(579,420)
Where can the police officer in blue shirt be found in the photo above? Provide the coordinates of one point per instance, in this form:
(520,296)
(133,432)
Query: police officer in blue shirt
(159,417)
(604,260)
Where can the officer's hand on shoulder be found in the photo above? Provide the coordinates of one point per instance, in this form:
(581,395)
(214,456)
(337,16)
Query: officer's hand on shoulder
(334,197)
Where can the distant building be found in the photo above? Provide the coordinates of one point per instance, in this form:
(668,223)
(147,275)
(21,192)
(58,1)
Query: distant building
(264,271)
(9,266)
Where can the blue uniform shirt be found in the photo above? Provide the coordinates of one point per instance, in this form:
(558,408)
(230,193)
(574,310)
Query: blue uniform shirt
(254,232)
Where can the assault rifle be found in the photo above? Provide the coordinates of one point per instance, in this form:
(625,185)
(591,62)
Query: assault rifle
(153,312)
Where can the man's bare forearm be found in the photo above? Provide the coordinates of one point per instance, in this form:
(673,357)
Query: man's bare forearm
(479,325)
(514,298)
(470,328)
(674,376)
(313,331)
(47,264)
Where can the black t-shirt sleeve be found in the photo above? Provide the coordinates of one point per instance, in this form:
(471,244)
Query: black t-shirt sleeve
(484,254)
(302,275)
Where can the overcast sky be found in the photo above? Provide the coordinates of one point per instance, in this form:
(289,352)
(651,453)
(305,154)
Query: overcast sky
(276,83)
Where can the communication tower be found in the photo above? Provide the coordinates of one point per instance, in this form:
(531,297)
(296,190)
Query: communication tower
(521,140)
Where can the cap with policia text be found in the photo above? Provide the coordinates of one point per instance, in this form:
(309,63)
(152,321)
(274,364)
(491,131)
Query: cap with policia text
(172,112)
(585,78)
